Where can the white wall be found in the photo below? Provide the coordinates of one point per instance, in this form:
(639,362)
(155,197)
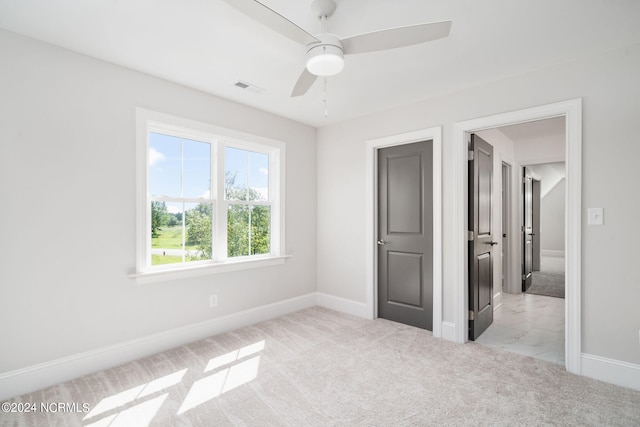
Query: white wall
(552,211)
(67,207)
(552,206)
(608,85)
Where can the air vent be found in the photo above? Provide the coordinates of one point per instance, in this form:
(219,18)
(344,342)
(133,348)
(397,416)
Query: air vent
(248,86)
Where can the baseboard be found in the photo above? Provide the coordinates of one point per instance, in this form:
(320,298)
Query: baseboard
(31,378)
(497,301)
(612,371)
(343,305)
(552,253)
(449,331)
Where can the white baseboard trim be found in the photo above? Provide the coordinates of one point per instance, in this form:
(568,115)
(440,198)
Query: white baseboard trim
(35,377)
(552,253)
(449,331)
(612,371)
(497,301)
(343,305)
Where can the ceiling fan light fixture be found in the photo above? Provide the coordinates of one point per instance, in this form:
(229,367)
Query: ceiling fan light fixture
(326,58)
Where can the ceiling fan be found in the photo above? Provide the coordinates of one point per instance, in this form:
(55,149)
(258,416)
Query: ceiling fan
(325,51)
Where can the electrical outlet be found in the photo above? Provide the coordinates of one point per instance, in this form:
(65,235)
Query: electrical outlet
(213,300)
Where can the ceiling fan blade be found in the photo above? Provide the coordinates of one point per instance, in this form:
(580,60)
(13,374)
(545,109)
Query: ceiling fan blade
(272,19)
(396,37)
(303,84)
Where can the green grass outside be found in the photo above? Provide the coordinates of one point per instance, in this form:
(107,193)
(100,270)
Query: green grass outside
(170,238)
(165,259)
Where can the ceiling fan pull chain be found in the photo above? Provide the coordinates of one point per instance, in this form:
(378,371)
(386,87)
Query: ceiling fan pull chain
(324,97)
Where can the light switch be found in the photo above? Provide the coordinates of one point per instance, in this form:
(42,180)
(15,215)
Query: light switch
(595,216)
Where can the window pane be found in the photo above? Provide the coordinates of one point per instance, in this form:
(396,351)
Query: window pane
(180,232)
(248,230)
(246,175)
(166,233)
(238,230)
(196,169)
(198,237)
(260,230)
(258,176)
(165,165)
(235,173)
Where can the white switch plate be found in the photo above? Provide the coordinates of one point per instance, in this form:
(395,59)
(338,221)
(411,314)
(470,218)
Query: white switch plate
(213,300)
(595,216)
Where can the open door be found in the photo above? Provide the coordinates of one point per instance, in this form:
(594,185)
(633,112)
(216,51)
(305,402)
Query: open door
(481,238)
(530,227)
(405,234)
(535,231)
(527,230)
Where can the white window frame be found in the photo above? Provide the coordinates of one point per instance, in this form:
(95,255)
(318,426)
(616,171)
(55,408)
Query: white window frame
(151,121)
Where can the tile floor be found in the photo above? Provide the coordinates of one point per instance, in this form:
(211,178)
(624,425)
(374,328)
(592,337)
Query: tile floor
(527,324)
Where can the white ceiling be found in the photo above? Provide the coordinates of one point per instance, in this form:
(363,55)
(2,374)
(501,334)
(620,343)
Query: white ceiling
(208,45)
(552,130)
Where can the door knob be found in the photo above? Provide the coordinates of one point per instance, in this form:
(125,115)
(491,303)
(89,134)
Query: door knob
(382,242)
(493,243)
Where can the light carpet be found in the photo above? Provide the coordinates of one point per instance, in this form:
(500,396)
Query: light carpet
(318,367)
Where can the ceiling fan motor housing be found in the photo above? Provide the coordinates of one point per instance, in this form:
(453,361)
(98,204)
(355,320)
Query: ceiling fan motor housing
(327,57)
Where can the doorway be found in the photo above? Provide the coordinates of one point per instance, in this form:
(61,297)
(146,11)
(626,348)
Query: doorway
(530,226)
(572,112)
(547,276)
(531,321)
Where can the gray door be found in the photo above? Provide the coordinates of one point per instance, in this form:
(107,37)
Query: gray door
(527,230)
(535,224)
(405,234)
(481,238)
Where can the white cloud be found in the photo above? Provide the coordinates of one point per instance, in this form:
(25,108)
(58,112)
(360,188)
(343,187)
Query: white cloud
(264,171)
(155,156)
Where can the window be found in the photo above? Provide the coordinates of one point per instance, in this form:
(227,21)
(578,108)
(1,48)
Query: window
(208,198)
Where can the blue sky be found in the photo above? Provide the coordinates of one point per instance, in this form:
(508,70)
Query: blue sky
(168,177)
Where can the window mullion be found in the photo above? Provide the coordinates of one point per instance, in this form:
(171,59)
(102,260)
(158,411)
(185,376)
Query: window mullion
(220,241)
(184,232)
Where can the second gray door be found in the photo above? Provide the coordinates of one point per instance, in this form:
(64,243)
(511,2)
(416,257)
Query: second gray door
(481,236)
(405,234)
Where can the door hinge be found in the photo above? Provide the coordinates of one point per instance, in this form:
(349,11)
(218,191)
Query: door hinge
(525,179)
(524,277)
(472,315)
(470,236)
(469,155)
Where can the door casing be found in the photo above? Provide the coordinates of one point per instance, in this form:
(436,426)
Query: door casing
(457,257)
(506,226)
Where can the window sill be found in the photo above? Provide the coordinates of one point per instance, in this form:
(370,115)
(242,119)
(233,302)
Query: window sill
(202,270)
